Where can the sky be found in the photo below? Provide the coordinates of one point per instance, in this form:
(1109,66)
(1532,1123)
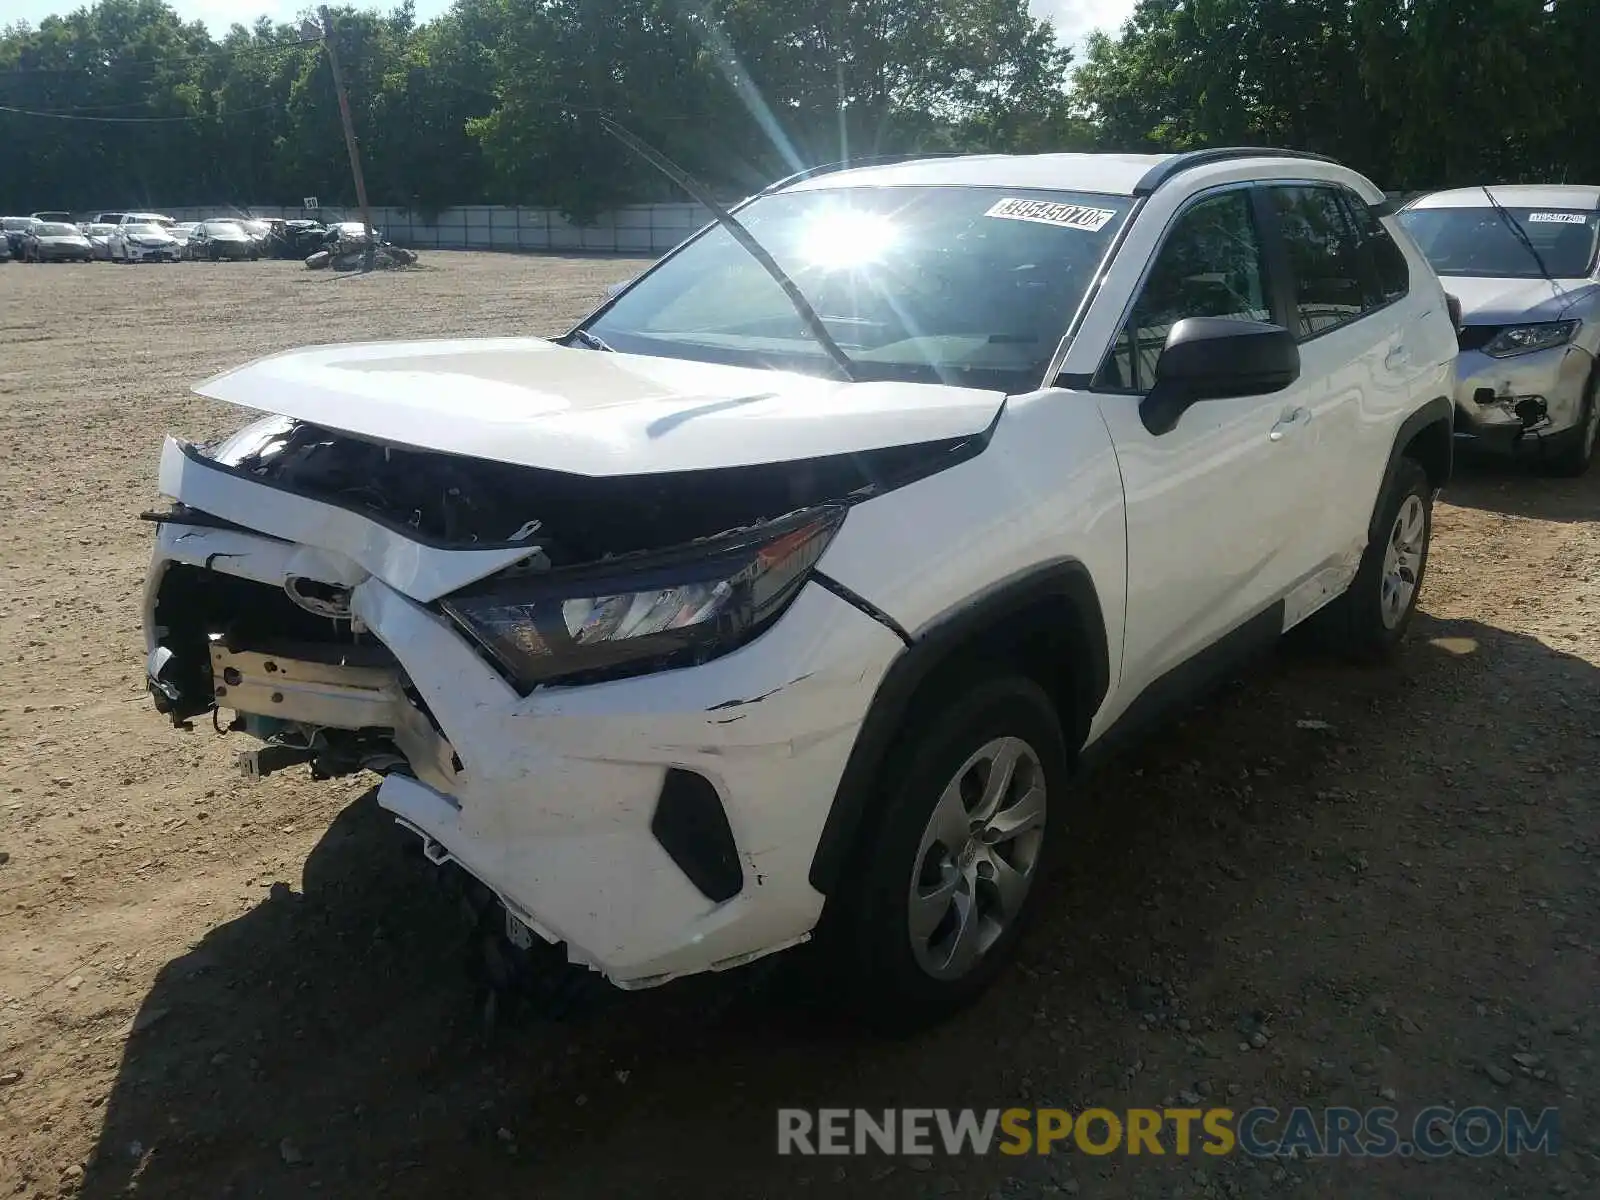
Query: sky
(1074,18)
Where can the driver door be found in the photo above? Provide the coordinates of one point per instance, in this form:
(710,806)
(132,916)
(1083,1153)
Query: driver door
(1218,508)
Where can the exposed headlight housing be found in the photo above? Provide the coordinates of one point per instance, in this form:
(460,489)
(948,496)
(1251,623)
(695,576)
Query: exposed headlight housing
(254,439)
(650,613)
(1525,339)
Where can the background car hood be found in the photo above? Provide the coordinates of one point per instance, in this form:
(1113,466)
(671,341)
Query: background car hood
(1505,301)
(531,402)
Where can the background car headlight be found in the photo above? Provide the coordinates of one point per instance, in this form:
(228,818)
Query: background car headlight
(657,611)
(1525,339)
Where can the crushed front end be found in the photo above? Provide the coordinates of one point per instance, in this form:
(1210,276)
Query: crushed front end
(621,704)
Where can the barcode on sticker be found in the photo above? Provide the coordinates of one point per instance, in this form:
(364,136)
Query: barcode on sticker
(1045,212)
(1559,218)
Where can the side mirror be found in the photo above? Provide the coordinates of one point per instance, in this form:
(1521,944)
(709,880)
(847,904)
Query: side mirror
(1217,358)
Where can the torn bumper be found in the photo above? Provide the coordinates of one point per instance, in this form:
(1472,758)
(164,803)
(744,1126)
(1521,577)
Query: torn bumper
(1536,396)
(552,803)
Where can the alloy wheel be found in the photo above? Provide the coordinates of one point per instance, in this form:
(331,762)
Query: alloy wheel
(1402,560)
(977,858)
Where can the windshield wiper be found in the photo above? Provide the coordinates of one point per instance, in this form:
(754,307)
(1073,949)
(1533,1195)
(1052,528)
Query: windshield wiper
(802,306)
(590,340)
(1520,233)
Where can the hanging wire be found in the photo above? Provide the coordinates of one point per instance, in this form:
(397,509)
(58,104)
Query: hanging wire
(73,116)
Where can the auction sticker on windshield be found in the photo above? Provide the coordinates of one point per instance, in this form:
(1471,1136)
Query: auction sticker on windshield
(1043,212)
(1561,218)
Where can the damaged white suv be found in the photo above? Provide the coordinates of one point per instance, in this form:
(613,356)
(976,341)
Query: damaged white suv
(783,596)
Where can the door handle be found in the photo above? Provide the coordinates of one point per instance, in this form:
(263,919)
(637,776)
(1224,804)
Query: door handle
(1291,420)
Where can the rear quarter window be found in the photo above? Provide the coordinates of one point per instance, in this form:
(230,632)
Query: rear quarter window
(1388,272)
(1343,261)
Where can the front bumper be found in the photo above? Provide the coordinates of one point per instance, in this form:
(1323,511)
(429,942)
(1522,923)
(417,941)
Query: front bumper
(152,253)
(549,799)
(1537,396)
(64,254)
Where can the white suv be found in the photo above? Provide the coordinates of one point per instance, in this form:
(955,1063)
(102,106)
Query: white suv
(782,597)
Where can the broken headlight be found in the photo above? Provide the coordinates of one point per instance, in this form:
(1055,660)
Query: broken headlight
(1525,339)
(649,613)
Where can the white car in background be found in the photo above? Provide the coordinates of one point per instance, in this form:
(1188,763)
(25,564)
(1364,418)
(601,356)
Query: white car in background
(141,241)
(781,596)
(1524,261)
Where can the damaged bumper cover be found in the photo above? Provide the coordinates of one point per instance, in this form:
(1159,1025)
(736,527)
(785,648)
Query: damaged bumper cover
(554,799)
(1512,404)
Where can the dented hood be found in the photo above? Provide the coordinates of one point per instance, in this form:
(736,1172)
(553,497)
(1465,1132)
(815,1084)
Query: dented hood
(533,403)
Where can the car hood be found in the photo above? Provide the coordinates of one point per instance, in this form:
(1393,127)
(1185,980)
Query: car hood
(153,239)
(1505,301)
(533,403)
(63,239)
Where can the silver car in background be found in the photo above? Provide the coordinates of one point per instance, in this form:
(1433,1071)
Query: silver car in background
(1522,262)
(99,235)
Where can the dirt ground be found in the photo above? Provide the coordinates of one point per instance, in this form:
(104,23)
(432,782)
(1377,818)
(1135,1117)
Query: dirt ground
(209,988)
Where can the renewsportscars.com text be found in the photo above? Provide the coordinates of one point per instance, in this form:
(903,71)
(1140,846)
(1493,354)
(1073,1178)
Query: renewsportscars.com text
(1434,1132)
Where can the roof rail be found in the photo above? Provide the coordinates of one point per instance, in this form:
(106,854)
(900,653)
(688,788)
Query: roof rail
(875,160)
(1178,163)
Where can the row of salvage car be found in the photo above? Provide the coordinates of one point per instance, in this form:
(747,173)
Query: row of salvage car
(133,237)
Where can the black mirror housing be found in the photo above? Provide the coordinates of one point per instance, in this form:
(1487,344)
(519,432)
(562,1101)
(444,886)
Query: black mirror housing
(1218,358)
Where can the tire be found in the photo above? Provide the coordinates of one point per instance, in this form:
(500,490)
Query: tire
(1576,451)
(1368,622)
(317,261)
(899,976)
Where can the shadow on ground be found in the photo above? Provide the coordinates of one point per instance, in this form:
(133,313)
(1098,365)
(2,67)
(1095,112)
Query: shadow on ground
(1312,837)
(1519,489)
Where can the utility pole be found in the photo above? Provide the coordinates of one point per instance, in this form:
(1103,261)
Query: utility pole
(349,134)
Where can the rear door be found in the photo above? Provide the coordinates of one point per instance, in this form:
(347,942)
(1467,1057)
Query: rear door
(1348,288)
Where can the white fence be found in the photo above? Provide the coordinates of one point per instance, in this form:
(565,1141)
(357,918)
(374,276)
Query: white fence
(634,229)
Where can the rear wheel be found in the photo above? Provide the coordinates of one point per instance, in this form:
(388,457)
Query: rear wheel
(1371,617)
(948,874)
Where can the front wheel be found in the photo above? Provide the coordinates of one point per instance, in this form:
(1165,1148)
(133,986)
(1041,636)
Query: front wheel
(1577,449)
(1368,621)
(948,872)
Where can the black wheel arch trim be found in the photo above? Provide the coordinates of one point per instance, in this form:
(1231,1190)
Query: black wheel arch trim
(1441,410)
(937,644)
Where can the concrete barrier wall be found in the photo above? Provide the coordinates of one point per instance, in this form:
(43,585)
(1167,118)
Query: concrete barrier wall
(635,229)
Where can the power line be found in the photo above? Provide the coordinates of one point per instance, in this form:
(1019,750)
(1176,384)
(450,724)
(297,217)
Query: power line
(68,116)
(216,49)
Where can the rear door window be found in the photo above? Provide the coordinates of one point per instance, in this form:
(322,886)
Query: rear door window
(1325,258)
(1388,275)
